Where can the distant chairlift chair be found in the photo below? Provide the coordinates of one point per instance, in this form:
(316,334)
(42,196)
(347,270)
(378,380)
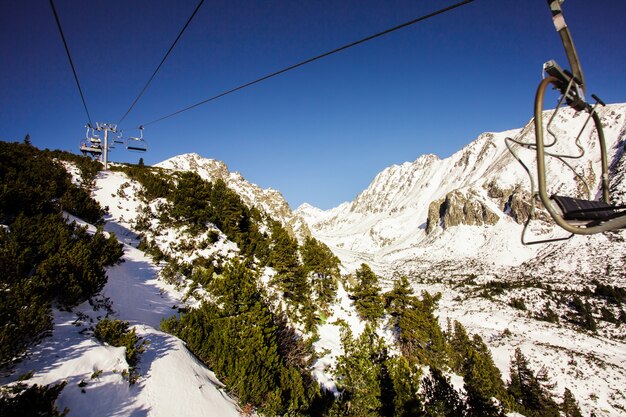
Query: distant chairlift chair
(137,144)
(119,139)
(91,145)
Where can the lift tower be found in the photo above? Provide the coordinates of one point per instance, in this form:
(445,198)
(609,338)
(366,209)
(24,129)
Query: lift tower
(106,127)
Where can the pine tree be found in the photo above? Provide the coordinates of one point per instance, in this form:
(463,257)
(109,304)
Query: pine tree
(27,140)
(440,398)
(359,373)
(459,347)
(404,401)
(238,337)
(419,334)
(34,400)
(323,267)
(569,406)
(366,295)
(43,259)
(399,298)
(531,390)
(482,382)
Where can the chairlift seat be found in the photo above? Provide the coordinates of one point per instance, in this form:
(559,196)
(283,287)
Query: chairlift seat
(91,149)
(586,210)
(136,144)
(136,148)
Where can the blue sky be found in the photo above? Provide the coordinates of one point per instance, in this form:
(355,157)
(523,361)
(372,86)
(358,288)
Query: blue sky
(319,133)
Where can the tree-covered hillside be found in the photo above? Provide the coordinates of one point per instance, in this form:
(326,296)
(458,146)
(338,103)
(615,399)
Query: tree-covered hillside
(44,259)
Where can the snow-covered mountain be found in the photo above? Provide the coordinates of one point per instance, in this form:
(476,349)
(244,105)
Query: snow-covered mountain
(268,200)
(469,206)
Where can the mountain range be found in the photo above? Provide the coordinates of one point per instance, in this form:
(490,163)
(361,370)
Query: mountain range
(464,208)
(451,226)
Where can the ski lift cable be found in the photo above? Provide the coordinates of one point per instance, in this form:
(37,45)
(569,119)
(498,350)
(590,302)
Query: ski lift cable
(308,61)
(69,56)
(145,87)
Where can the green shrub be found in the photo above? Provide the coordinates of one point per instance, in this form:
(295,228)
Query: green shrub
(118,333)
(21,400)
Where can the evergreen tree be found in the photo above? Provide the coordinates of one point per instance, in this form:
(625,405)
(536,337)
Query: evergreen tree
(35,400)
(323,267)
(366,295)
(459,345)
(359,373)
(530,390)
(569,406)
(27,140)
(482,382)
(236,335)
(403,401)
(440,398)
(191,200)
(420,336)
(399,298)
(583,314)
(291,277)
(44,259)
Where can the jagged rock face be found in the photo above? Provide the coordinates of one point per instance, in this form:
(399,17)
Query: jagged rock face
(458,209)
(267,200)
(512,201)
(617,184)
(388,189)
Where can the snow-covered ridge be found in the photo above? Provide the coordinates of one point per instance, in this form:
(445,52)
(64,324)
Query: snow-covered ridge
(171,380)
(268,200)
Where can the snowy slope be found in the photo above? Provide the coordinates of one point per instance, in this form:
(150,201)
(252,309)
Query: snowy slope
(172,382)
(389,226)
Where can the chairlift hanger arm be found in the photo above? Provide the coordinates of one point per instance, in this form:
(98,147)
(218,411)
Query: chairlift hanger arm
(568,43)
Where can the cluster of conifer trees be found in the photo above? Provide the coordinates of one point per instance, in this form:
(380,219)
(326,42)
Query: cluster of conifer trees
(377,384)
(43,258)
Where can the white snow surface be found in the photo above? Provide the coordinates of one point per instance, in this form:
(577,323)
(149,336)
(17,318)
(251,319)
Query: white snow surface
(172,382)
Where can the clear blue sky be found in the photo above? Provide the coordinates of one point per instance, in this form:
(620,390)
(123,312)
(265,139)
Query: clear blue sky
(320,133)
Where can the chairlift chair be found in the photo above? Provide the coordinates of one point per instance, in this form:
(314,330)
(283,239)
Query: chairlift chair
(93,139)
(119,139)
(91,144)
(137,144)
(574,215)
